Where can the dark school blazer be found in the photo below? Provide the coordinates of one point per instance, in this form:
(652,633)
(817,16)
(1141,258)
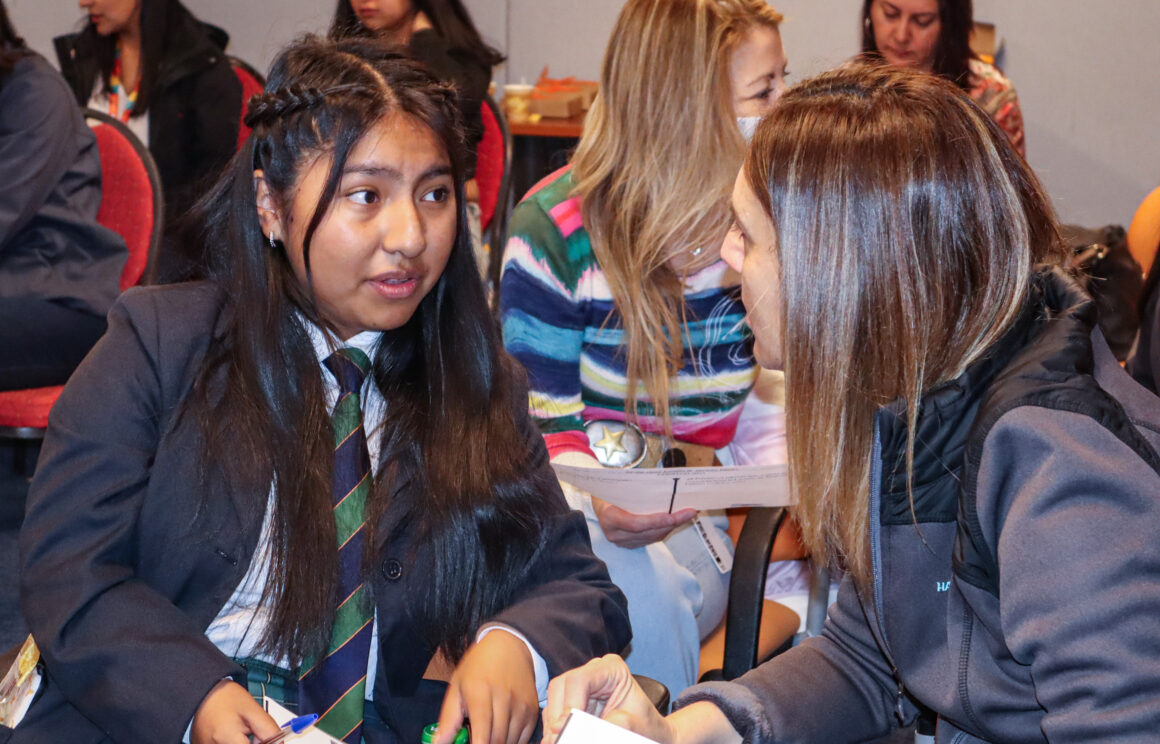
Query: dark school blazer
(125,561)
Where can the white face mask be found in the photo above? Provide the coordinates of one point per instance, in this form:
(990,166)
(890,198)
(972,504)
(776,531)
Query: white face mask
(748,125)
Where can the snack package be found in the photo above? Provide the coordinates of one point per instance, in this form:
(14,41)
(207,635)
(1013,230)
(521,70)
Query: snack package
(20,684)
(562,97)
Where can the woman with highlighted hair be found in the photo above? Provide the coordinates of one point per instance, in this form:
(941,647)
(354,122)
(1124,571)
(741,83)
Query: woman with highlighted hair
(616,300)
(960,434)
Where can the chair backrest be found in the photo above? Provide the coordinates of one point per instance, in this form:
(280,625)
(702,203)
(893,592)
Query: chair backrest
(253,82)
(493,174)
(131,200)
(1144,232)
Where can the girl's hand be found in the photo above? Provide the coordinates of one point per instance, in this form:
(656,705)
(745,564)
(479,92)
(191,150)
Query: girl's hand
(604,687)
(630,530)
(495,687)
(229,715)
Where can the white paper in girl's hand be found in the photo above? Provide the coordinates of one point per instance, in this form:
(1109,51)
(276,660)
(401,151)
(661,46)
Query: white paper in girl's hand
(282,716)
(583,728)
(653,490)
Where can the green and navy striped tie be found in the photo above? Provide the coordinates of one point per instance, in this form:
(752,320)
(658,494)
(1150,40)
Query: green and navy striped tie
(335,686)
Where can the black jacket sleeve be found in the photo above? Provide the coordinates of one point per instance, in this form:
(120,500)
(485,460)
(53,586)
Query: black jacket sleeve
(1145,362)
(37,143)
(119,651)
(569,610)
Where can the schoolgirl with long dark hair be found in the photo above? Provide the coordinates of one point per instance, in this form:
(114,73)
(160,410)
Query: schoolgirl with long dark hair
(314,471)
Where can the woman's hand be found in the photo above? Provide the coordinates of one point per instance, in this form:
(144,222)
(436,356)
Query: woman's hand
(604,687)
(230,715)
(494,686)
(630,530)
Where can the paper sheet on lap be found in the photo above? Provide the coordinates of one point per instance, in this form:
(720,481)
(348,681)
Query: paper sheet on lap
(282,716)
(583,728)
(652,490)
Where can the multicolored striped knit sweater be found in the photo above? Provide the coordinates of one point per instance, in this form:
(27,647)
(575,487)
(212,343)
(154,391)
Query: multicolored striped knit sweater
(559,320)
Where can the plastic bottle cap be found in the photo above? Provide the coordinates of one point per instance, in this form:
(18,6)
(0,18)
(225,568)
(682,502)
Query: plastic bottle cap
(429,734)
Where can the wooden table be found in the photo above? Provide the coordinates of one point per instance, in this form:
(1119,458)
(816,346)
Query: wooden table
(545,127)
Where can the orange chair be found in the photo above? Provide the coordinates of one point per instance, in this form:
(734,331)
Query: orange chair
(253,82)
(131,206)
(1144,232)
(493,174)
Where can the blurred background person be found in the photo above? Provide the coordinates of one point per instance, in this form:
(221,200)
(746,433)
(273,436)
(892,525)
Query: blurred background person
(154,66)
(935,36)
(59,270)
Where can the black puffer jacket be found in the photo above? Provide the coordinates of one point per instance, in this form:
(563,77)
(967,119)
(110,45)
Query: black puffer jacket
(1019,599)
(193,117)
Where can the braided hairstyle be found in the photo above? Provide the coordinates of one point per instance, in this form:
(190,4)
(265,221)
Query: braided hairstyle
(454,467)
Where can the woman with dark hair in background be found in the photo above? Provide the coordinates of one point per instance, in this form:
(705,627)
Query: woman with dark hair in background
(315,471)
(959,433)
(441,35)
(59,270)
(154,66)
(935,36)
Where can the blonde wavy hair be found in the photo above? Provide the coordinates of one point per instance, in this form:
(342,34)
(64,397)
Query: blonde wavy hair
(907,231)
(656,164)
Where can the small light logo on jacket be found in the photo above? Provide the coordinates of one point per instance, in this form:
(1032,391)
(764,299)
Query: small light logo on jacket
(942,586)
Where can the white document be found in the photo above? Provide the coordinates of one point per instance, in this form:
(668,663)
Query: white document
(583,728)
(652,490)
(282,716)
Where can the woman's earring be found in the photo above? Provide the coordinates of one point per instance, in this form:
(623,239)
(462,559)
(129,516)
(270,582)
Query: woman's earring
(273,243)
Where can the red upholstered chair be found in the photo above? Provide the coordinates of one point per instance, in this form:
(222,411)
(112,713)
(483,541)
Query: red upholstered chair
(493,174)
(252,82)
(131,205)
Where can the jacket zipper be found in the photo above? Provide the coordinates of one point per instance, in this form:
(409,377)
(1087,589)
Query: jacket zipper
(876,565)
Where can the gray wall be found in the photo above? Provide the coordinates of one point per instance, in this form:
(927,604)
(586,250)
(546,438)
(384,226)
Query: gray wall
(1086,72)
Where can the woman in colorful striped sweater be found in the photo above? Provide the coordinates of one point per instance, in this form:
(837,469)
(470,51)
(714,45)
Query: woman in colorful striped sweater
(615,299)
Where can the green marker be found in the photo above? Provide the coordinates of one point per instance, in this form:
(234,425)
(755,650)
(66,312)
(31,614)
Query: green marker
(429,735)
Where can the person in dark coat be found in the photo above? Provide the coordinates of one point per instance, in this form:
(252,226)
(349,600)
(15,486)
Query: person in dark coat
(153,65)
(311,477)
(59,270)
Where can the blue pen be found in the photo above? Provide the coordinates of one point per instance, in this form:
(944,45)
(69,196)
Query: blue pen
(295,726)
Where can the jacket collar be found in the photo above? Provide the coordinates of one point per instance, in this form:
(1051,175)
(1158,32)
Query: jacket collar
(1051,336)
(196,46)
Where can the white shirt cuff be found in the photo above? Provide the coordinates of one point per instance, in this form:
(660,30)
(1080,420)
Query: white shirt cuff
(538,664)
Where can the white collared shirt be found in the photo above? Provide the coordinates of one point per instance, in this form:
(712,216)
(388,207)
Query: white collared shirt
(238,628)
